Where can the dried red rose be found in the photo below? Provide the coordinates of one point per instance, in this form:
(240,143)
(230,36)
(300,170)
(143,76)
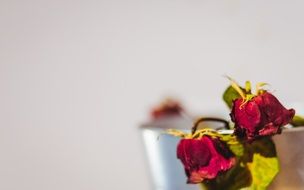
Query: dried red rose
(263,115)
(204,158)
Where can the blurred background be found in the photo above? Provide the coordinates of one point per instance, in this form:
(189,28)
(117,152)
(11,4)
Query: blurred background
(78,77)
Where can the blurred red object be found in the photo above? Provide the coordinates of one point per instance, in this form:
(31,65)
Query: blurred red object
(167,108)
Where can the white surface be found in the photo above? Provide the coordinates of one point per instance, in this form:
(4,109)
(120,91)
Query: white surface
(76,78)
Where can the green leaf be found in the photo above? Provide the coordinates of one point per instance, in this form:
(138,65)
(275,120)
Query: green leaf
(230,95)
(261,158)
(263,171)
(297,121)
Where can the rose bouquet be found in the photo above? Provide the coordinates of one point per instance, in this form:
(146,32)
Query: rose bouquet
(242,155)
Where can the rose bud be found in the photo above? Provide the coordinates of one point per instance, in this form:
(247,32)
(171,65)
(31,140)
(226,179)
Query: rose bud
(263,115)
(204,158)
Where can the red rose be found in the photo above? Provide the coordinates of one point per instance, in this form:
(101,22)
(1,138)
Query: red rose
(263,115)
(204,158)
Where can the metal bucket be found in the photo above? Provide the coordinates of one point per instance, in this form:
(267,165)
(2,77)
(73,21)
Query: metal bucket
(167,172)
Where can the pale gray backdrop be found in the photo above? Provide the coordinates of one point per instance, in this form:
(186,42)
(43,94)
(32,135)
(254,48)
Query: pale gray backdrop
(77,77)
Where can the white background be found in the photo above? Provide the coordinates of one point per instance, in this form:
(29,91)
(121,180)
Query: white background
(77,78)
